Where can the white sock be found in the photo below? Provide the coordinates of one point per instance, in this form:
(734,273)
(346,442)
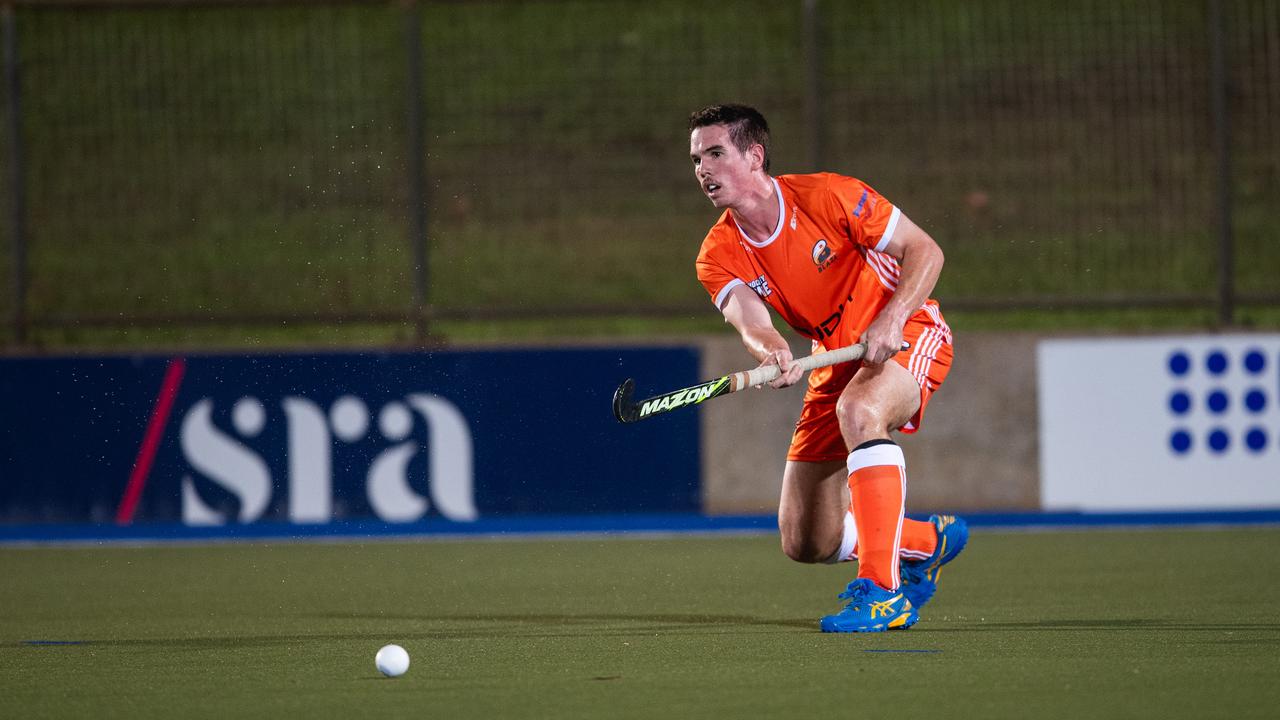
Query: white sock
(847,542)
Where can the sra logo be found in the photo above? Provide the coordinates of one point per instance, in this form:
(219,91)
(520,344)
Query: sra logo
(225,463)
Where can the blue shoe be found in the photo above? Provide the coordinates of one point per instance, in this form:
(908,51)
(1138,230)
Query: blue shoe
(871,608)
(920,578)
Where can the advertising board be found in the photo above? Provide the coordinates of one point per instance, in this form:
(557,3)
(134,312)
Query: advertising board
(308,439)
(1160,423)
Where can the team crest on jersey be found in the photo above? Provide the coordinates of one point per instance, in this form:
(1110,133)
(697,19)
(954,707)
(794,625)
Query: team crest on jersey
(823,255)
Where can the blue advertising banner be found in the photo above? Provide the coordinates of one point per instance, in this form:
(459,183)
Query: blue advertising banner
(211,440)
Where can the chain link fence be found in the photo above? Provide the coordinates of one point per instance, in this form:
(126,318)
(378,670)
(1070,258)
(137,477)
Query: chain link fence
(226,162)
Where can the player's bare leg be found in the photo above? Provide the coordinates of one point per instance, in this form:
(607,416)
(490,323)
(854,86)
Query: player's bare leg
(812,508)
(874,403)
(879,399)
(815,517)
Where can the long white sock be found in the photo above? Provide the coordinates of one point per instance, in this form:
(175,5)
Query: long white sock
(848,551)
(848,542)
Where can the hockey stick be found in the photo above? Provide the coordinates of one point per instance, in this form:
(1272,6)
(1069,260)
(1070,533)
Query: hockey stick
(629,411)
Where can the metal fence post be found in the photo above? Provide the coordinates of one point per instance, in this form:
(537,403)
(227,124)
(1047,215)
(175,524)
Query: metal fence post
(17,174)
(1222,157)
(811,42)
(417,186)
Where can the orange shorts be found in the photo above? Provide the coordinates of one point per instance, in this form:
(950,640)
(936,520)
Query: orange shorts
(817,437)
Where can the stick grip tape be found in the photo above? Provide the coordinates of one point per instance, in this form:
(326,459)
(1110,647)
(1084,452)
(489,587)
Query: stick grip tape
(762,375)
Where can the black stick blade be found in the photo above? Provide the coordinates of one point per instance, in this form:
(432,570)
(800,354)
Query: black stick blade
(629,410)
(623,407)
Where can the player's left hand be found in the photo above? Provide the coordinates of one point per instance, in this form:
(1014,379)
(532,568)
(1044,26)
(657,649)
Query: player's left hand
(789,370)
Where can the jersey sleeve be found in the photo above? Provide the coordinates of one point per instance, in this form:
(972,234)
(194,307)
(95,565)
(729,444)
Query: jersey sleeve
(871,218)
(716,278)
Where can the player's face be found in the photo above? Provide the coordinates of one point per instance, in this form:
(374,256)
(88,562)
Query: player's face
(722,170)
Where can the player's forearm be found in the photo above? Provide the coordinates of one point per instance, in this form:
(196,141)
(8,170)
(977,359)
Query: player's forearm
(750,317)
(921,266)
(762,341)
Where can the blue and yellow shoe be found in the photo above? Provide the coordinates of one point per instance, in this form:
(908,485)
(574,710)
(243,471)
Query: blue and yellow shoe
(871,608)
(920,578)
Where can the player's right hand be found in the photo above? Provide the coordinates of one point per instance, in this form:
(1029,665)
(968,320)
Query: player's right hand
(790,371)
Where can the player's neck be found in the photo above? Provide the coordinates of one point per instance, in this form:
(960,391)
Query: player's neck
(757,214)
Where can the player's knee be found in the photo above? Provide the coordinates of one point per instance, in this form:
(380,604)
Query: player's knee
(804,550)
(859,420)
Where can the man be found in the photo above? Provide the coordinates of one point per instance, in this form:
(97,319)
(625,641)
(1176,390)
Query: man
(840,265)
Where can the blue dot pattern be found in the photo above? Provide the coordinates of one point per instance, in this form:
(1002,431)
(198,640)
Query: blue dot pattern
(1226,368)
(1216,362)
(1255,362)
(1217,402)
(1256,439)
(1219,440)
(1255,400)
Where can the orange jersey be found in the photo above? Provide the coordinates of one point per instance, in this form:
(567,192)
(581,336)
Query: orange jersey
(823,270)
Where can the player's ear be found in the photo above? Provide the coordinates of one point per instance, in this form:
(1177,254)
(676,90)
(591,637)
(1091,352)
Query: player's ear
(756,153)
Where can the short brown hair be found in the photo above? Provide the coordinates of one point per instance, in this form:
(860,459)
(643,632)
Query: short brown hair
(746,126)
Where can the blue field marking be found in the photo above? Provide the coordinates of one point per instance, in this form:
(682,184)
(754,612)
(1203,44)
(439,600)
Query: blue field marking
(550,525)
(1171,518)
(53,642)
(496,526)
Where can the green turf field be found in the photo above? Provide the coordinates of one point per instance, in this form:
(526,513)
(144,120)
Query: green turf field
(1096,624)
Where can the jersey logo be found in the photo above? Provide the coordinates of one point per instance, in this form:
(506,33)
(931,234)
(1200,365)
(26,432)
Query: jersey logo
(827,328)
(862,202)
(793,218)
(761,286)
(822,254)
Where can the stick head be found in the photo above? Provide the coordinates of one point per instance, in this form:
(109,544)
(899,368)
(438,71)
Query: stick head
(623,407)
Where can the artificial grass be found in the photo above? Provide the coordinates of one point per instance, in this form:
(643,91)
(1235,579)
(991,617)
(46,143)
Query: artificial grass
(1170,623)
